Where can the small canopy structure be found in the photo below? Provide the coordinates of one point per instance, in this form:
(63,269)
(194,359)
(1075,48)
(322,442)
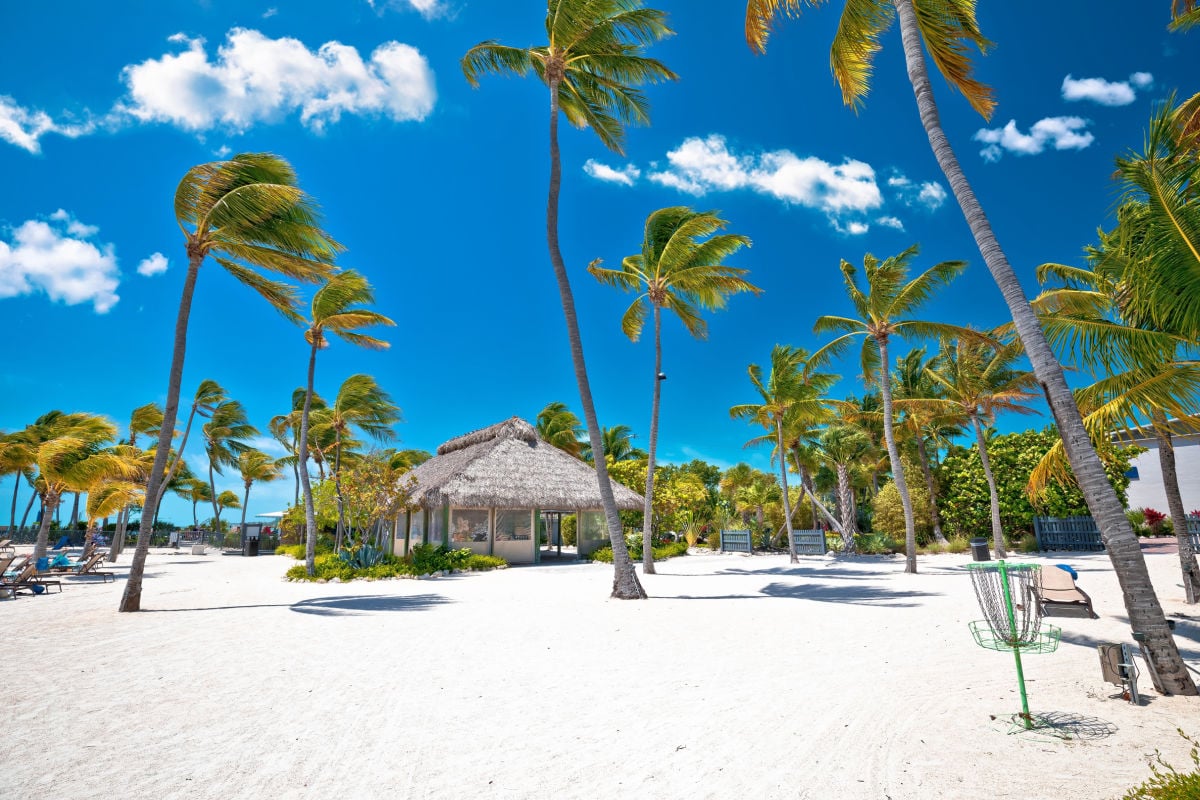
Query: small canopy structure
(487,489)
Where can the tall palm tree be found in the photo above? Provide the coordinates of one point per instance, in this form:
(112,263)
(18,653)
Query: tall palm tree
(363,405)
(679,269)
(251,218)
(338,308)
(618,445)
(254,466)
(978,380)
(286,430)
(784,392)
(842,447)
(591,67)
(198,491)
(558,425)
(17,458)
(883,311)
(948,28)
(144,420)
(912,388)
(224,441)
(209,394)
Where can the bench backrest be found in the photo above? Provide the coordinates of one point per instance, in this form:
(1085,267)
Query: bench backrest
(736,542)
(809,543)
(1067,533)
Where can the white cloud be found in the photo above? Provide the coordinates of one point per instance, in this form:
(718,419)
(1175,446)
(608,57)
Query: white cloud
(253,78)
(427,8)
(890,222)
(1141,79)
(156,264)
(55,257)
(222,151)
(1106,93)
(269,445)
(699,166)
(928,194)
(931,195)
(270,12)
(25,128)
(602,172)
(1063,133)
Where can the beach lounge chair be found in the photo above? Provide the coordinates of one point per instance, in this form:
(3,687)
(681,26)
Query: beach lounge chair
(15,565)
(6,547)
(27,579)
(1060,597)
(90,568)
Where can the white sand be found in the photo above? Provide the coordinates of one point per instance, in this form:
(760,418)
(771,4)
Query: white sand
(743,677)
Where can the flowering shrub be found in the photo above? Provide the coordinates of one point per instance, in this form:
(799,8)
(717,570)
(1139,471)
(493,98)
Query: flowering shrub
(1155,520)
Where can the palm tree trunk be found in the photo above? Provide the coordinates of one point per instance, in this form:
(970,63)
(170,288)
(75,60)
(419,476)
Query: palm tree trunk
(1145,612)
(846,501)
(28,508)
(337,488)
(993,494)
(74,514)
(787,501)
(12,517)
(245,504)
(49,506)
(648,518)
(310,514)
(806,487)
(131,599)
(626,585)
(1166,460)
(212,486)
(934,513)
(118,540)
(889,436)
(171,470)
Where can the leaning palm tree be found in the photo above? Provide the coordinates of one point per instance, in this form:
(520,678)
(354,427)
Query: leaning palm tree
(591,66)
(883,310)
(145,420)
(842,447)
(17,458)
(224,434)
(948,28)
(286,430)
(979,380)
(680,268)
(558,425)
(338,308)
(209,394)
(251,218)
(198,491)
(255,466)
(362,404)
(912,389)
(618,445)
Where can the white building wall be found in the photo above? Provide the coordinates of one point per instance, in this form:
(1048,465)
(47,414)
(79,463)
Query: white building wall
(1146,491)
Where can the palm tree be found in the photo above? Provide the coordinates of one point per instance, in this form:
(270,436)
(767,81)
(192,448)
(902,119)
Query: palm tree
(198,491)
(785,392)
(591,67)
(337,309)
(209,394)
(72,454)
(360,403)
(286,430)
(754,497)
(618,445)
(911,389)
(254,465)
(882,310)
(978,380)
(842,447)
(224,434)
(17,458)
(558,425)
(947,29)
(249,215)
(679,269)
(144,420)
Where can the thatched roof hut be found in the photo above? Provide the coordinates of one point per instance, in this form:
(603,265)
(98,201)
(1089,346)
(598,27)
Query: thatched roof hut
(490,490)
(507,465)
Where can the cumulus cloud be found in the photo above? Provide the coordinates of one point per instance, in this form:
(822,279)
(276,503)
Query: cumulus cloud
(1062,133)
(890,222)
(54,256)
(253,78)
(427,8)
(25,128)
(626,176)
(156,264)
(926,194)
(1106,93)
(699,166)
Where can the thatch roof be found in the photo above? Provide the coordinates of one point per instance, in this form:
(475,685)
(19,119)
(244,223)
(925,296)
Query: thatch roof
(507,465)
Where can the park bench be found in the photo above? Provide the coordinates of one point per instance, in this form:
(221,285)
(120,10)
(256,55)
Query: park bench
(1067,533)
(736,542)
(809,543)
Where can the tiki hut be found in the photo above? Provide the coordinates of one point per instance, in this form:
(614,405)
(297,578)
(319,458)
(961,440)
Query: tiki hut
(491,490)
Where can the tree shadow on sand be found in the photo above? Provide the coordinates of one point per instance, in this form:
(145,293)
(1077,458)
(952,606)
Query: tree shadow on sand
(855,595)
(340,606)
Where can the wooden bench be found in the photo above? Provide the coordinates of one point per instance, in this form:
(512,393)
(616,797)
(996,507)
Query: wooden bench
(1067,533)
(809,543)
(736,542)
(1193,528)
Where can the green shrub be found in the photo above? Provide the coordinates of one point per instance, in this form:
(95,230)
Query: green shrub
(296,551)
(877,544)
(482,562)
(1167,783)
(424,559)
(660,553)
(569,526)
(888,517)
(1026,544)
(958,544)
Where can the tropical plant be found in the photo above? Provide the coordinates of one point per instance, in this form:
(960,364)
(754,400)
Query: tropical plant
(591,67)
(250,217)
(338,308)
(224,435)
(255,466)
(679,269)
(618,446)
(198,491)
(911,389)
(17,458)
(286,430)
(558,425)
(842,447)
(882,311)
(948,29)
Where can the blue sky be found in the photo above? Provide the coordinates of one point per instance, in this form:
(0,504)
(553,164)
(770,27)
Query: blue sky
(438,191)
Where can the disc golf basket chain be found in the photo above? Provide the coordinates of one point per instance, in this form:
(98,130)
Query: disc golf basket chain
(1012,616)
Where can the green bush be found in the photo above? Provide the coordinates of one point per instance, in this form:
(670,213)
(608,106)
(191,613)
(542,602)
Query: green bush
(569,526)
(1026,544)
(888,517)
(482,562)
(423,560)
(296,551)
(660,553)
(958,544)
(877,544)
(1167,783)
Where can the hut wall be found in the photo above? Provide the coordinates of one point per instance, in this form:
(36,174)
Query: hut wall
(514,540)
(591,532)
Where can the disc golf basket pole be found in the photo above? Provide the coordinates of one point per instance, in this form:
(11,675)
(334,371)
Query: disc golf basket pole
(1008,625)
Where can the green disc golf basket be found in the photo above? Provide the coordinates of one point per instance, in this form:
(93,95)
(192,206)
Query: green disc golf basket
(1013,616)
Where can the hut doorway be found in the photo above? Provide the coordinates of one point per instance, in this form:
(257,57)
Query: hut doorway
(552,533)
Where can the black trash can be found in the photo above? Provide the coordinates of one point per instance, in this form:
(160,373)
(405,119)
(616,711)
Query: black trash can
(979,550)
(250,547)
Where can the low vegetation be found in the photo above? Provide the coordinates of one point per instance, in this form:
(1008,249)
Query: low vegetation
(1166,783)
(349,565)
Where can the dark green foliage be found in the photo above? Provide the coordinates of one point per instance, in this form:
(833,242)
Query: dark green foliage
(569,525)
(1168,784)
(877,544)
(362,557)
(666,551)
(964,500)
(424,560)
(888,516)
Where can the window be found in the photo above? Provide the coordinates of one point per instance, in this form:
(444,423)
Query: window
(1132,474)
(416,530)
(513,525)
(437,525)
(401,526)
(469,525)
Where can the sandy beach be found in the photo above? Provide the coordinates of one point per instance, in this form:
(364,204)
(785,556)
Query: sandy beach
(743,676)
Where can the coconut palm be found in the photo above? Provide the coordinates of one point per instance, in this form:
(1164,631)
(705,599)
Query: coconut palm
(209,394)
(912,388)
(286,430)
(363,405)
(1184,14)
(842,447)
(224,441)
(198,491)
(254,466)
(558,425)
(591,67)
(754,497)
(338,309)
(144,420)
(979,380)
(883,311)
(17,458)
(679,269)
(784,392)
(948,28)
(251,218)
